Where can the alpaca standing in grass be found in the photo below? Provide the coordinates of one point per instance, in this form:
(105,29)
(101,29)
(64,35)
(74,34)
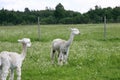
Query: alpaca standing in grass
(13,60)
(62,47)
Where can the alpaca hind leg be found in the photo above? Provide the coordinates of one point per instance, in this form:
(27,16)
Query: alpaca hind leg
(58,53)
(4,72)
(52,55)
(18,73)
(0,72)
(11,74)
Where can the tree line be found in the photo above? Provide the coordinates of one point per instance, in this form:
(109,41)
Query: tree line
(59,16)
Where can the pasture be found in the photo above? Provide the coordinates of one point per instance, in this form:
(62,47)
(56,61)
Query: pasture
(90,57)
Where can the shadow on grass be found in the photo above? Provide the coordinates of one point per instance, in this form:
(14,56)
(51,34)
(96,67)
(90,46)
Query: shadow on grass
(110,78)
(110,39)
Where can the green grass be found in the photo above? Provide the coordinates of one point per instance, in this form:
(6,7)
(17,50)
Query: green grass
(90,57)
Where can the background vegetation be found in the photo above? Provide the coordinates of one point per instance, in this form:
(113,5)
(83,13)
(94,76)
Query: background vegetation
(59,16)
(91,57)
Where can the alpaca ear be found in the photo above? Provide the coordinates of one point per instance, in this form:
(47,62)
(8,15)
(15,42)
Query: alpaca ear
(19,40)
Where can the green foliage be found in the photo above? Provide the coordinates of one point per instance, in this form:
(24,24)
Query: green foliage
(59,12)
(90,57)
(59,16)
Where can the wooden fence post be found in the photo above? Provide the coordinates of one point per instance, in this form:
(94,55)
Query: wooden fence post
(38,28)
(104,27)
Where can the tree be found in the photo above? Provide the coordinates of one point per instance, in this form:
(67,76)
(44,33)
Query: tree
(116,13)
(59,15)
(27,10)
(59,12)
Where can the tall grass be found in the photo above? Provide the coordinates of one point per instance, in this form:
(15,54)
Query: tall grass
(90,58)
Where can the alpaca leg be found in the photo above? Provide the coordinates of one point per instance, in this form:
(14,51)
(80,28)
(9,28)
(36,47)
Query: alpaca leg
(65,59)
(0,72)
(58,53)
(64,53)
(18,73)
(52,56)
(11,74)
(4,72)
(60,59)
(66,56)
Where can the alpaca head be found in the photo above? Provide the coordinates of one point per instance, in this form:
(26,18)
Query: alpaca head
(25,41)
(75,31)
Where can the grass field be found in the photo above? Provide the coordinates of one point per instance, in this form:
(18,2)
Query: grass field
(90,57)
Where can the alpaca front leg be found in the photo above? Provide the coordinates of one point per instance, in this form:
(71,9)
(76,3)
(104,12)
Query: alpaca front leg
(11,74)
(66,56)
(65,59)
(19,73)
(60,59)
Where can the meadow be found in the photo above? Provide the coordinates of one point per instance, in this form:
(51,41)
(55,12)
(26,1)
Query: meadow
(90,56)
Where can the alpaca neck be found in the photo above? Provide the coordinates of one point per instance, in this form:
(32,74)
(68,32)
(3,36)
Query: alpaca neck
(68,43)
(24,50)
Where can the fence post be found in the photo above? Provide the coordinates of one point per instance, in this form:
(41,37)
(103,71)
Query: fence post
(38,28)
(104,27)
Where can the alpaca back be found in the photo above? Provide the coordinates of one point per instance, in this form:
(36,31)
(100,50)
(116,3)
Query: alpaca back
(56,44)
(15,59)
(11,57)
(4,58)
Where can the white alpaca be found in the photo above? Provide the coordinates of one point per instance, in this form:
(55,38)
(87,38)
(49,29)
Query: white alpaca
(13,60)
(62,47)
